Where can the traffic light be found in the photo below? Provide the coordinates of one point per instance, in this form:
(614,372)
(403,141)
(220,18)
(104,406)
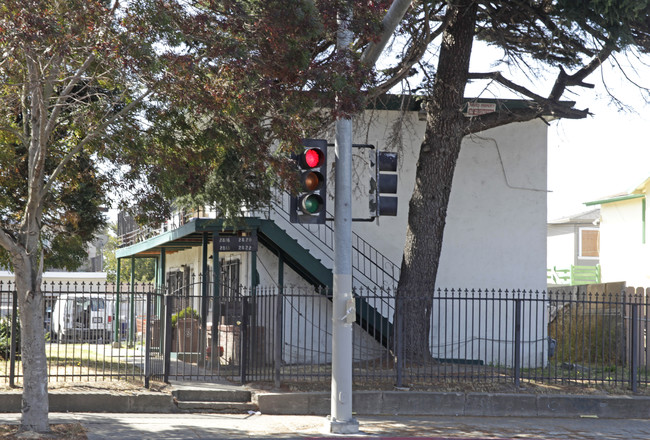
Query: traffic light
(383,166)
(309,205)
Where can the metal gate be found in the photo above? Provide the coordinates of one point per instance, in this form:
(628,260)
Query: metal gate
(206,337)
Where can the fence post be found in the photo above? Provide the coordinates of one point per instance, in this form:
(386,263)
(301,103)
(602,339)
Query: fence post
(147,340)
(278,337)
(14,334)
(243,340)
(517,341)
(634,340)
(167,344)
(399,345)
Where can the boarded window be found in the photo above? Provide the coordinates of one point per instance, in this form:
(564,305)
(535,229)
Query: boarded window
(589,243)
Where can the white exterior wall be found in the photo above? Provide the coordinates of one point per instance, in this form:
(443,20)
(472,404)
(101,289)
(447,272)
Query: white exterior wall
(496,224)
(623,255)
(495,236)
(561,249)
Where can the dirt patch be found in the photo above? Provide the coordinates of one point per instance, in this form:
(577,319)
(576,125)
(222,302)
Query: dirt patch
(114,386)
(70,431)
(526,387)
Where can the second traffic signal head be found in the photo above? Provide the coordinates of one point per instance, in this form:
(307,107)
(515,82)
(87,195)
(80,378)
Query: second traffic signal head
(309,205)
(383,185)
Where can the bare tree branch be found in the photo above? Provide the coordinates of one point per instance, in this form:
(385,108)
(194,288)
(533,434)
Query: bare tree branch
(65,94)
(412,57)
(498,77)
(577,79)
(505,116)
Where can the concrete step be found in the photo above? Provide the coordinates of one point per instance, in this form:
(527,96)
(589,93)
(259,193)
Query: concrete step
(194,395)
(223,407)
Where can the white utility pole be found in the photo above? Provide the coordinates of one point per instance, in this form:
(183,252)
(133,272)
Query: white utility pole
(344,314)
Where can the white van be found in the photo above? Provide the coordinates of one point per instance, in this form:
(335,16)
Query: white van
(82,317)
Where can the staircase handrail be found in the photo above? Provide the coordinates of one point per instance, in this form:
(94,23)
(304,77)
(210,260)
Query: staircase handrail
(380,270)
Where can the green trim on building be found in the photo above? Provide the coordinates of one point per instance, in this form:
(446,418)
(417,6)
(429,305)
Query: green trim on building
(615,199)
(643,208)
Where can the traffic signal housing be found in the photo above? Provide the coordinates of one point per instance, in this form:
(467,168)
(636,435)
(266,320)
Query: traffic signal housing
(383,185)
(309,205)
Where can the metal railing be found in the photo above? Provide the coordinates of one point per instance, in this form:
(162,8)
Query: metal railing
(573,276)
(284,335)
(370,267)
(175,221)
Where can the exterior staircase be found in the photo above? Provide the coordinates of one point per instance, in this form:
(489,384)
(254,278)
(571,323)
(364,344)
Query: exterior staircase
(309,249)
(369,316)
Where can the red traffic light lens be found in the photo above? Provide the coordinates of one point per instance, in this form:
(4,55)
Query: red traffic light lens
(313,157)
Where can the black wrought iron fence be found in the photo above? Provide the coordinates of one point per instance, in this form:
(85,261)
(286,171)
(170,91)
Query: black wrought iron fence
(99,332)
(92,331)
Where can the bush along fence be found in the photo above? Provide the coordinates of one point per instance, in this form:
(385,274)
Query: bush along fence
(283,335)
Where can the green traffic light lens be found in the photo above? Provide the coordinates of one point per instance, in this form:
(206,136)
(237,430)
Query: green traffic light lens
(311,204)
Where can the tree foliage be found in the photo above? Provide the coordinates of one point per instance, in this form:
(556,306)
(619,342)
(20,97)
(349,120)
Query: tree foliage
(153,99)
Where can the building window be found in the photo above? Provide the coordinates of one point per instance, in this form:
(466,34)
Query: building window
(230,278)
(589,243)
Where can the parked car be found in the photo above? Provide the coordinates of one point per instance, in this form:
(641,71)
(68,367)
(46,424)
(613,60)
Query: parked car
(82,318)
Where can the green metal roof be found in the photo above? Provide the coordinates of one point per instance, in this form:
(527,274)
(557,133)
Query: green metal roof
(615,199)
(184,237)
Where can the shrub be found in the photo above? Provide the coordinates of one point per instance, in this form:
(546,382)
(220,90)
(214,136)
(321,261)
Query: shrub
(187,312)
(5,338)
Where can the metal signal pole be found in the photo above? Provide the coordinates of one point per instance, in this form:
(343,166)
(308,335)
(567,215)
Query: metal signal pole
(344,314)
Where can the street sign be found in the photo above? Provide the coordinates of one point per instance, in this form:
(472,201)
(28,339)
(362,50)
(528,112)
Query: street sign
(232,243)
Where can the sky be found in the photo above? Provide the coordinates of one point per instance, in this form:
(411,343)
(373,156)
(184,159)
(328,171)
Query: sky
(605,154)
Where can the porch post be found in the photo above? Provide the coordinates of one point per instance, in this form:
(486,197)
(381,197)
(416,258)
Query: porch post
(161,295)
(216,265)
(203,339)
(132,304)
(255,279)
(216,288)
(204,265)
(279,323)
(116,338)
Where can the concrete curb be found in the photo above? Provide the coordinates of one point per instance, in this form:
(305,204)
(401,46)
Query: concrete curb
(402,403)
(461,404)
(97,402)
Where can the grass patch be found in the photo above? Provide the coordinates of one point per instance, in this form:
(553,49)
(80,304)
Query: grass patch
(66,361)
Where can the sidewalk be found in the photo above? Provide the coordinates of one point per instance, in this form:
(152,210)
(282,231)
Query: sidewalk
(257,426)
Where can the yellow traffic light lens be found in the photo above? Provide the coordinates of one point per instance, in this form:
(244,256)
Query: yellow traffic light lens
(311,181)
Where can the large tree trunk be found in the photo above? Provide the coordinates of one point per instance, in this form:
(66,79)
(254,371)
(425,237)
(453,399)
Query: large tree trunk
(35,405)
(435,170)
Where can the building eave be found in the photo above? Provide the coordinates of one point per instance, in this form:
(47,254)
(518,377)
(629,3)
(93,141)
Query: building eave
(615,199)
